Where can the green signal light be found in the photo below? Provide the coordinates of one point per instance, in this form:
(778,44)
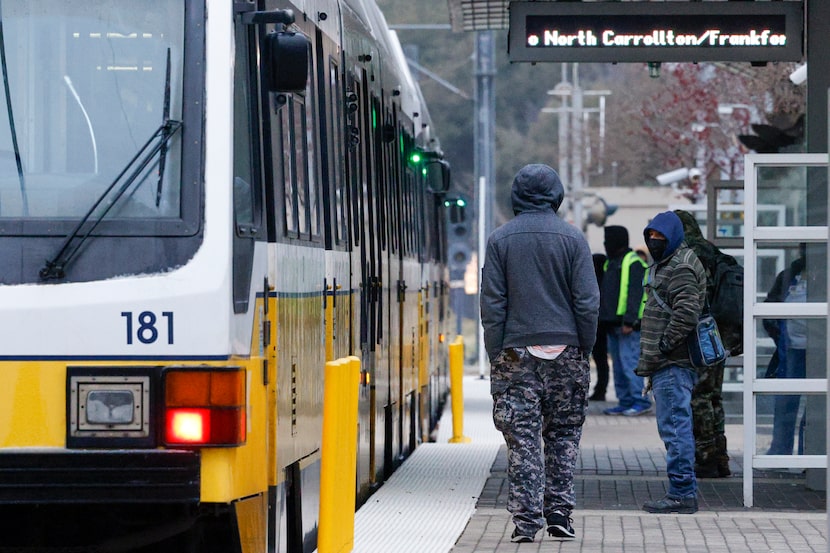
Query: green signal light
(460,202)
(416,157)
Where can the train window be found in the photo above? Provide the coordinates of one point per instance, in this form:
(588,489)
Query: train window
(409,206)
(392,196)
(337,157)
(247,196)
(301,166)
(354,166)
(381,176)
(314,212)
(409,179)
(302,200)
(407,214)
(287,178)
(247,193)
(87,84)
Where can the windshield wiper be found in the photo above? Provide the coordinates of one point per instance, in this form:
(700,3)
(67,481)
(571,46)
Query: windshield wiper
(54,267)
(164,137)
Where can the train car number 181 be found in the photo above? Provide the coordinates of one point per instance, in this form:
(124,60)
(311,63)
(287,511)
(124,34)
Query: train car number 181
(145,326)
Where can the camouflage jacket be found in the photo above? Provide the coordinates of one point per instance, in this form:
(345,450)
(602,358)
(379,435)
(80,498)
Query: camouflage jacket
(709,254)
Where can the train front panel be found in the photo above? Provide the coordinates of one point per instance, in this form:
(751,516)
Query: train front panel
(189,232)
(134,328)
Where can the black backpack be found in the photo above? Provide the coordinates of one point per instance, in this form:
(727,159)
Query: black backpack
(727,301)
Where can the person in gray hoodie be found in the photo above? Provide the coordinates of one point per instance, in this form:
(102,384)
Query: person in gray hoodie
(539,309)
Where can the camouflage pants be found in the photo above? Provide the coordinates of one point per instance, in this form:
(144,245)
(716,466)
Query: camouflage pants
(708,417)
(538,402)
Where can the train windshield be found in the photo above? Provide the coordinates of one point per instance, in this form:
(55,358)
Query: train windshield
(90,88)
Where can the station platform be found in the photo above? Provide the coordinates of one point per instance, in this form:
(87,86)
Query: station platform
(452,497)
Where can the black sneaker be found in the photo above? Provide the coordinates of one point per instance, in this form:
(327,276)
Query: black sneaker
(518,537)
(559,527)
(685,506)
(596,396)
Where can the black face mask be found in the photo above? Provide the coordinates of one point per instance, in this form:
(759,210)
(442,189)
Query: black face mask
(657,247)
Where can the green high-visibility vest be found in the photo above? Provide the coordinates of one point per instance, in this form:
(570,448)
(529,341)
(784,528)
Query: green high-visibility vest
(625,274)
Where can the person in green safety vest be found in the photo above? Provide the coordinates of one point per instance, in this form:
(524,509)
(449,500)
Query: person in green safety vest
(600,351)
(622,300)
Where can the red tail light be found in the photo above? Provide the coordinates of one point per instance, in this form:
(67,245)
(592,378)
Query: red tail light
(204,407)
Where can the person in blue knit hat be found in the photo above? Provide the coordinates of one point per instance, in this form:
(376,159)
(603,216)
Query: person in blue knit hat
(675,291)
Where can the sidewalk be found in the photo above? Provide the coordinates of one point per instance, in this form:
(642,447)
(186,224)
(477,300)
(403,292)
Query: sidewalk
(453,497)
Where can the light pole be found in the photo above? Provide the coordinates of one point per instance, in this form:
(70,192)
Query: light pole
(573,148)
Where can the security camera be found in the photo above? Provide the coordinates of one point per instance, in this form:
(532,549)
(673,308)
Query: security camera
(672,177)
(799,76)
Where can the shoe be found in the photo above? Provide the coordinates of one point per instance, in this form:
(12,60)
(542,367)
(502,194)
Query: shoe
(518,537)
(596,396)
(718,468)
(723,468)
(707,470)
(685,506)
(559,527)
(637,411)
(618,410)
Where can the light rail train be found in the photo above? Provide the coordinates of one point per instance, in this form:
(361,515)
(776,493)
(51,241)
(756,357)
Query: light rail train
(201,203)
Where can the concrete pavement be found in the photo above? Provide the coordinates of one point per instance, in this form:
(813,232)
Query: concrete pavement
(453,497)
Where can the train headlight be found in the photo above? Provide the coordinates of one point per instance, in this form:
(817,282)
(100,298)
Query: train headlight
(205,407)
(108,409)
(113,407)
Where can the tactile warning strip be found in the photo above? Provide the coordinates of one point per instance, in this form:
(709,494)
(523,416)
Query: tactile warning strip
(426,504)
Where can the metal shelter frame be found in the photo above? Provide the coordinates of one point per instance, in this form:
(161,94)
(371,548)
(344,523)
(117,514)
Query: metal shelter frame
(755,312)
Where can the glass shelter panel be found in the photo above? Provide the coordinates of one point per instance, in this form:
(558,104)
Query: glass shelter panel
(794,189)
(784,272)
(785,317)
(790,350)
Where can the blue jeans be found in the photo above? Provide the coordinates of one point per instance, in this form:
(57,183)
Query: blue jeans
(672,389)
(625,354)
(786,406)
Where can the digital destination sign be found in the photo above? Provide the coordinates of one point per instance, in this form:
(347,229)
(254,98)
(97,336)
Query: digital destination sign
(656,31)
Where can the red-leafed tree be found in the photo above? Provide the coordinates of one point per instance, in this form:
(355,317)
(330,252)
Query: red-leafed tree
(691,115)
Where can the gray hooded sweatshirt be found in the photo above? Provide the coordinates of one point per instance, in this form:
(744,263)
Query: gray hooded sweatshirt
(538,285)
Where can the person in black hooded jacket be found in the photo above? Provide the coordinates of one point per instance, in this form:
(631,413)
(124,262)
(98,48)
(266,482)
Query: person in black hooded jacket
(600,351)
(621,304)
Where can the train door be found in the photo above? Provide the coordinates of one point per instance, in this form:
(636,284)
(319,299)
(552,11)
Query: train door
(403,276)
(396,275)
(292,157)
(336,285)
(385,338)
(369,218)
(409,290)
(386,193)
(355,177)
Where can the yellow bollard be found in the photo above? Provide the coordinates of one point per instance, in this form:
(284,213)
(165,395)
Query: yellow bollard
(457,391)
(338,464)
